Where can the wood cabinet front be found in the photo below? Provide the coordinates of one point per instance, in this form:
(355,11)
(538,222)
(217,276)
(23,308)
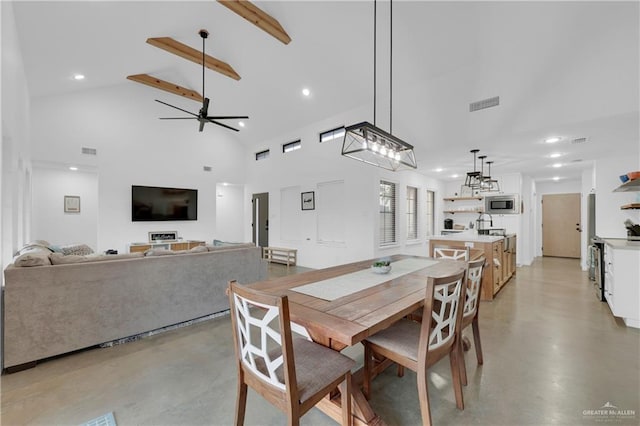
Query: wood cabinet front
(498,269)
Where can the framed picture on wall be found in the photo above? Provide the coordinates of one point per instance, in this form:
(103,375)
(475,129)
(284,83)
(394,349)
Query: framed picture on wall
(71,204)
(159,236)
(308,200)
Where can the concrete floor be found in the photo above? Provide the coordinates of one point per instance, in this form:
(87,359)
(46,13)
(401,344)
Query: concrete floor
(552,352)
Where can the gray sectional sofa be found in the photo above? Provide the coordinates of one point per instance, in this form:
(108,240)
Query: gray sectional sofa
(54,309)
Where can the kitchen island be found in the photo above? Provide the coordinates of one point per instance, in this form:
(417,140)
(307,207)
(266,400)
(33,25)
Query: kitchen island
(622,279)
(500,253)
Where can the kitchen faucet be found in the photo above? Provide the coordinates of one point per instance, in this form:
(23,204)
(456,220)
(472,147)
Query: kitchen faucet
(481,221)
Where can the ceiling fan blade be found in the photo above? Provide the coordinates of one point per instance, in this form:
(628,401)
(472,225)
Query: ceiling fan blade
(183,110)
(226,117)
(224,125)
(201,125)
(177,118)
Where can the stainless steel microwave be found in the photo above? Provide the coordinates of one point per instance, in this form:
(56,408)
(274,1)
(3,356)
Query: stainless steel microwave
(502,204)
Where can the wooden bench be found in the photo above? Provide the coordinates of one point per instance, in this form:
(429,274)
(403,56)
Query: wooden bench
(280,255)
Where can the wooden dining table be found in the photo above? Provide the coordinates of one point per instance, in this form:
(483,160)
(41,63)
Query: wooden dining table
(349,319)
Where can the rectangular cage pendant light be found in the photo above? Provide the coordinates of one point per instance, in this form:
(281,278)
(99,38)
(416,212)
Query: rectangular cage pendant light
(372,145)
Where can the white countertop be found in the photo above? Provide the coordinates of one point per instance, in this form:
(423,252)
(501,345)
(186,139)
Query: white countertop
(622,243)
(468,236)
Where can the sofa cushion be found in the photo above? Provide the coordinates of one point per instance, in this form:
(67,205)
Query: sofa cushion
(34,257)
(159,252)
(230,247)
(77,249)
(61,259)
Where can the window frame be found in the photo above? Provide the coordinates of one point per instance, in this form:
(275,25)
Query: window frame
(333,134)
(262,155)
(430,211)
(412,213)
(384,215)
(297,144)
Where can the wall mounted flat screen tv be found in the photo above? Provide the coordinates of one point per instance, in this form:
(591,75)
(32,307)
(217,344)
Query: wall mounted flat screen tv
(152,203)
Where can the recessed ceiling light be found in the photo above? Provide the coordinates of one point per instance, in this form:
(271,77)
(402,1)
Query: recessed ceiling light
(552,139)
(306,92)
(555,155)
(455,176)
(439,169)
(556,178)
(241,123)
(73,168)
(78,77)
(556,165)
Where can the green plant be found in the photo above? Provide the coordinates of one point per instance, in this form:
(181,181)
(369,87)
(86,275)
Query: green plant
(381,263)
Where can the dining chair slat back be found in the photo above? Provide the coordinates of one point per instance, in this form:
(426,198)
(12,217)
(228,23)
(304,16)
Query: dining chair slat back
(293,374)
(471,311)
(444,252)
(419,345)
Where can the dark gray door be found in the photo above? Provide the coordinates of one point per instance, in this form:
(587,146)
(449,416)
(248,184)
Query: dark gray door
(260,222)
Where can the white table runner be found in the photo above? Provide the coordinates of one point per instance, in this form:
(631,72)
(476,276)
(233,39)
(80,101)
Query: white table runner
(344,285)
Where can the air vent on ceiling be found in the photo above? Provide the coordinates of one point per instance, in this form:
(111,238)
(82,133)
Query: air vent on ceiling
(207,168)
(577,160)
(579,140)
(89,151)
(485,103)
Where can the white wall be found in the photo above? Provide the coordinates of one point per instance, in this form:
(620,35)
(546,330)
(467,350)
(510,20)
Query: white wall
(307,169)
(50,222)
(135,148)
(15,172)
(230,218)
(609,217)
(588,186)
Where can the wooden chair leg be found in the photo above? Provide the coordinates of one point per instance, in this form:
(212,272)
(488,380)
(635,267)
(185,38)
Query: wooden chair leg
(476,339)
(454,358)
(423,397)
(241,402)
(345,399)
(400,370)
(463,368)
(368,371)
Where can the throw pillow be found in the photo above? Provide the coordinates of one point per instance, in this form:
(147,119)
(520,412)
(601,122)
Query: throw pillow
(198,249)
(33,258)
(37,244)
(76,249)
(61,259)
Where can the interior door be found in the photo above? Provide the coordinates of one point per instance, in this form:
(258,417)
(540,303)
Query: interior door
(561,225)
(260,224)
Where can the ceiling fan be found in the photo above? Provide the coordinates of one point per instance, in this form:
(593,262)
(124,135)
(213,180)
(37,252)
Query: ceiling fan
(202,115)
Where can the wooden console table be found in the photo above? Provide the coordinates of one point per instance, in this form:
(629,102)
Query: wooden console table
(280,255)
(168,245)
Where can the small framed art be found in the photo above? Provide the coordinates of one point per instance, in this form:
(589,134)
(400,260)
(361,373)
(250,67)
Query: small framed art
(71,204)
(308,200)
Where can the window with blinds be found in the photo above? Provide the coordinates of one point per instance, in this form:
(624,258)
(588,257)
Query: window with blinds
(429,222)
(387,213)
(412,213)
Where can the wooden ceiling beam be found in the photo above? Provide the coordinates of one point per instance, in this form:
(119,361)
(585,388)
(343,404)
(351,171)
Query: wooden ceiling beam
(258,17)
(193,55)
(166,86)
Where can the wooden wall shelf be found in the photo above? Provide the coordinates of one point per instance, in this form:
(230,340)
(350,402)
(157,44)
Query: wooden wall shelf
(632,206)
(629,186)
(463,199)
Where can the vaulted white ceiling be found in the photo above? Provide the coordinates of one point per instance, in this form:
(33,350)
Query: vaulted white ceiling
(560,68)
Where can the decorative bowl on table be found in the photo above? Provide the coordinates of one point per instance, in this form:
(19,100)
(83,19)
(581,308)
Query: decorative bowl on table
(381,267)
